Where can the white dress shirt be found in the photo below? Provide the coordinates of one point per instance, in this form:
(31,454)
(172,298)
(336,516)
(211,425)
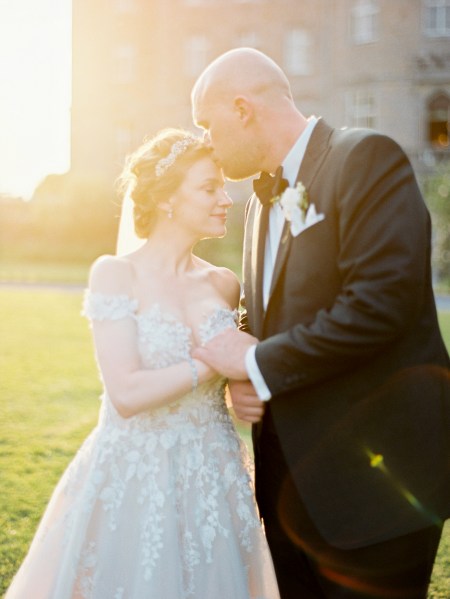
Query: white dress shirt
(291,166)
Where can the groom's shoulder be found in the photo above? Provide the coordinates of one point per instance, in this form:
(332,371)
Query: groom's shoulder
(351,136)
(348,142)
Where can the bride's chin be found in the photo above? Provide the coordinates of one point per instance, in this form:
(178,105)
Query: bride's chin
(221,233)
(216,234)
(219,228)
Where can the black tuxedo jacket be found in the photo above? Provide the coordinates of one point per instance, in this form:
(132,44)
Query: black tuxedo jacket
(350,344)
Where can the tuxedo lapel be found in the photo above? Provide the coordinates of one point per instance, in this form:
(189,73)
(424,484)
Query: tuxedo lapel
(259,231)
(315,154)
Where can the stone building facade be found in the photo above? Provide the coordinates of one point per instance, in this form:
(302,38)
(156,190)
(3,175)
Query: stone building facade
(378,63)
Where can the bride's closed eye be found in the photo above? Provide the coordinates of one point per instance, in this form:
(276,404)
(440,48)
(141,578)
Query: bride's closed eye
(210,185)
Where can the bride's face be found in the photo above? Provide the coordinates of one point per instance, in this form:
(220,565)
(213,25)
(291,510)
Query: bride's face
(200,204)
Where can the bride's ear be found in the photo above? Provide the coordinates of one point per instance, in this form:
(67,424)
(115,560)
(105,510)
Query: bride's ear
(167,208)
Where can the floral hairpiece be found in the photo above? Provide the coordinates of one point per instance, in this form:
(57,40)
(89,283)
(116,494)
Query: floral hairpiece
(178,148)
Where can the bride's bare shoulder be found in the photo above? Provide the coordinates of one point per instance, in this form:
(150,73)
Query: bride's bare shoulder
(111,274)
(224,280)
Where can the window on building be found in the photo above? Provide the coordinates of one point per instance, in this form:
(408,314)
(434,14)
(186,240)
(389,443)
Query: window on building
(439,121)
(297,52)
(365,21)
(126,63)
(361,109)
(437,18)
(247,39)
(196,55)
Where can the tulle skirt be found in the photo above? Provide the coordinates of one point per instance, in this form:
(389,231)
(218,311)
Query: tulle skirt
(151,514)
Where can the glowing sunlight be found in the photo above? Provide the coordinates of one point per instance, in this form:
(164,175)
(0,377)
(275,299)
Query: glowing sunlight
(35,65)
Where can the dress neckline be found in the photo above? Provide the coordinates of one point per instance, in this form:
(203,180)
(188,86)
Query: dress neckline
(169,316)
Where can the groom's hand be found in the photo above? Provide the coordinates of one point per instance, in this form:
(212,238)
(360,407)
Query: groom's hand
(247,405)
(226,353)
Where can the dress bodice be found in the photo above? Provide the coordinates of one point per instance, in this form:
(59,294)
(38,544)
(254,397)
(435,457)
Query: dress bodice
(164,340)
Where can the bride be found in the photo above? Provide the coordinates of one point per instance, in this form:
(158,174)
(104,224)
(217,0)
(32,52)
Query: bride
(158,502)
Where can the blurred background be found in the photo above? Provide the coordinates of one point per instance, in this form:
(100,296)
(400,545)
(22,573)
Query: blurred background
(84,82)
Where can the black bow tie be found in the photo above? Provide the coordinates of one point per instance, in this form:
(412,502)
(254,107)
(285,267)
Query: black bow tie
(269,186)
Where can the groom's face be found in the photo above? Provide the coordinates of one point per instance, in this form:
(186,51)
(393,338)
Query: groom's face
(227,136)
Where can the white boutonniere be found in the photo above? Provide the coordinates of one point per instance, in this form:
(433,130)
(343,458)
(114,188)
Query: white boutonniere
(297,210)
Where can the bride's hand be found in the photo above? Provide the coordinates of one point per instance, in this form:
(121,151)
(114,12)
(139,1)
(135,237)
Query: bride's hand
(205,372)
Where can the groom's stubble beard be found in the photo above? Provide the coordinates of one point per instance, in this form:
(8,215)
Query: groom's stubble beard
(238,174)
(239,166)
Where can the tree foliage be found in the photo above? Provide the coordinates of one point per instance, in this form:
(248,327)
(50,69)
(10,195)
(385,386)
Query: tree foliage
(75,219)
(68,219)
(437,194)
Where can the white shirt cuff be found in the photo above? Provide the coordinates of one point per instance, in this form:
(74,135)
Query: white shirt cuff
(254,374)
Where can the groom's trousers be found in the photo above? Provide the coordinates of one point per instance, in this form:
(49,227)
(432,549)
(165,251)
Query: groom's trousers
(307,567)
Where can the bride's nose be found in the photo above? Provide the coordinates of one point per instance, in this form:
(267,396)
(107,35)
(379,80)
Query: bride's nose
(224,199)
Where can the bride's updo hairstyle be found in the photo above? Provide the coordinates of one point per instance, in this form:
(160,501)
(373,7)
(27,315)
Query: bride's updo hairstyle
(156,170)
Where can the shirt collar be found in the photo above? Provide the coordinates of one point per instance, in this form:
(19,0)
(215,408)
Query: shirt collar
(291,164)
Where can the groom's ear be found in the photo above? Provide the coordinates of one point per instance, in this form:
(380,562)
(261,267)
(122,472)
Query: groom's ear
(243,109)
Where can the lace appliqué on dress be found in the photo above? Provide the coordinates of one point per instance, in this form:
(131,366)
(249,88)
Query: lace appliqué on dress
(219,320)
(101,306)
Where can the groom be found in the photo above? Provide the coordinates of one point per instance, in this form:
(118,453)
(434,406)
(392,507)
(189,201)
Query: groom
(339,362)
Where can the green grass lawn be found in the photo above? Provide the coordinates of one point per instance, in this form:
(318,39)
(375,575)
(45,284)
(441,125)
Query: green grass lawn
(24,271)
(49,389)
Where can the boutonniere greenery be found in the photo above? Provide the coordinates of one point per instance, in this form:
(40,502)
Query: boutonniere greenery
(297,209)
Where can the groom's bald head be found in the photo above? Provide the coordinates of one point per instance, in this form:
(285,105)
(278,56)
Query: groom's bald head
(244,103)
(243,71)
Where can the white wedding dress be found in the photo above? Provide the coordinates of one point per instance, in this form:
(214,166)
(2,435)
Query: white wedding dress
(157,506)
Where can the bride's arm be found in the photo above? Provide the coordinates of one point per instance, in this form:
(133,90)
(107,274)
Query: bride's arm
(131,388)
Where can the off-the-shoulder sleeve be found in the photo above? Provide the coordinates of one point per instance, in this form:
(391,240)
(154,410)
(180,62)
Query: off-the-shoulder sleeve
(102,306)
